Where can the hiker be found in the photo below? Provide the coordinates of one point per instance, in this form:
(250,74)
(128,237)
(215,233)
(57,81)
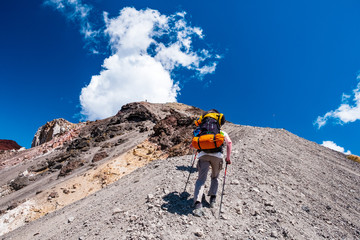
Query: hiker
(210,156)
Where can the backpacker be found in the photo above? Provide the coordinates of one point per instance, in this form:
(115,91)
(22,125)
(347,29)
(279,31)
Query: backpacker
(207,135)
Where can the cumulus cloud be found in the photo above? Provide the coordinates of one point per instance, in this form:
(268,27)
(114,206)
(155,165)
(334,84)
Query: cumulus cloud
(146,47)
(346,112)
(333,146)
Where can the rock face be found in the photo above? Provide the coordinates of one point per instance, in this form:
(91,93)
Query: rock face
(51,129)
(9,145)
(279,186)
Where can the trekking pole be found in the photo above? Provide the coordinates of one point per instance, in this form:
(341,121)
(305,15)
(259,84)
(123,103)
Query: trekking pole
(222,194)
(192,165)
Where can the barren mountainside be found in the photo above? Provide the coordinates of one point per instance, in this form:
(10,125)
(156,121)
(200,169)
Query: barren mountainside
(123,178)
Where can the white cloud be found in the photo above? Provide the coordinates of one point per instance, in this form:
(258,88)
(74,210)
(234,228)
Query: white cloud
(124,80)
(146,46)
(346,112)
(333,146)
(131,73)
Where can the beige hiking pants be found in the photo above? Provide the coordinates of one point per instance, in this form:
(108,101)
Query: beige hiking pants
(203,165)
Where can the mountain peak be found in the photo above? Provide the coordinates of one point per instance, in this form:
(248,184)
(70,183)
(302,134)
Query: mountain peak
(124,176)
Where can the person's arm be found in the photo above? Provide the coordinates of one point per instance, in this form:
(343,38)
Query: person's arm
(228,148)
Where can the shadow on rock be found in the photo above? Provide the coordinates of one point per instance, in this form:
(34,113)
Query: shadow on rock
(176,203)
(186,168)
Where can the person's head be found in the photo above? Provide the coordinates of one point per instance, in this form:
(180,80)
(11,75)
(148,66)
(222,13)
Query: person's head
(213,111)
(223,121)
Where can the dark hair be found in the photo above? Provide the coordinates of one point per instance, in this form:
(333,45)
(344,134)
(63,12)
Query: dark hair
(212,111)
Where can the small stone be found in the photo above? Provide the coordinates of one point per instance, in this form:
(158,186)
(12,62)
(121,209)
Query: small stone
(255,212)
(149,197)
(235,182)
(166,191)
(53,195)
(238,210)
(254,189)
(199,233)
(133,218)
(269,203)
(71,219)
(270,209)
(305,208)
(328,207)
(116,210)
(274,234)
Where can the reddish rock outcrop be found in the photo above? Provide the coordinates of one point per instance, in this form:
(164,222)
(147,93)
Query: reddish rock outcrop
(9,145)
(51,129)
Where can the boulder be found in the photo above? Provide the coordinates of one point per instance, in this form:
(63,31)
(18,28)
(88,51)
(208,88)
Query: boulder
(19,182)
(51,129)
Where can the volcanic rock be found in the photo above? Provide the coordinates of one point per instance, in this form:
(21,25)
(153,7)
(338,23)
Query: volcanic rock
(70,166)
(19,182)
(8,145)
(174,133)
(50,130)
(99,156)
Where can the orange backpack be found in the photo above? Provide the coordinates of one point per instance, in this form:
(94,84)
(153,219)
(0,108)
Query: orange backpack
(207,135)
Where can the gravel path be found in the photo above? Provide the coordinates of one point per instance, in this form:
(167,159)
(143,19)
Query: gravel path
(279,186)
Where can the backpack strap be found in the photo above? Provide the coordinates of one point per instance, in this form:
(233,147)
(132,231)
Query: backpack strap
(215,140)
(199,143)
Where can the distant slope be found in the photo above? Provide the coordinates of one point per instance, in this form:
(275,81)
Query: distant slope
(279,186)
(76,160)
(9,145)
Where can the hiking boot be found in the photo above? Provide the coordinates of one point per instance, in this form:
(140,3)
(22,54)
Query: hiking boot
(198,211)
(212,201)
(198,205)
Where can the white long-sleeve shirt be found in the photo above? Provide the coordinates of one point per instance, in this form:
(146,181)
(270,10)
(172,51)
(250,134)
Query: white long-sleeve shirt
(220,154)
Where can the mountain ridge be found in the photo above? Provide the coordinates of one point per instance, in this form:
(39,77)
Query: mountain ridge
(279,186)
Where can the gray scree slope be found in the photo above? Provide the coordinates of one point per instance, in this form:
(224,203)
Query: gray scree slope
(279,186)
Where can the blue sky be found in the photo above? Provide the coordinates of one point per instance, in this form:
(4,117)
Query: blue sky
(283,64)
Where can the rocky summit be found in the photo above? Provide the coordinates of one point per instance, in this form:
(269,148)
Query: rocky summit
(50,130)
(123,178)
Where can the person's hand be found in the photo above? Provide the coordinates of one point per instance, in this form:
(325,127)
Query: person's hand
(228,161)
